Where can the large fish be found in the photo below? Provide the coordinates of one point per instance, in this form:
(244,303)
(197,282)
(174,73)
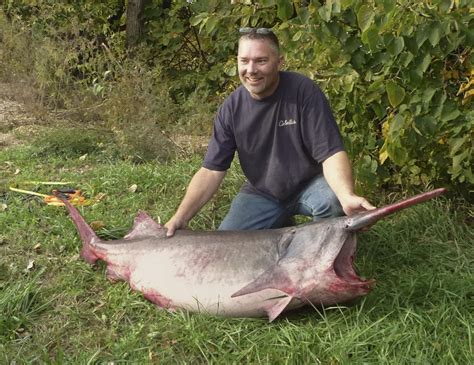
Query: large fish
(239,273)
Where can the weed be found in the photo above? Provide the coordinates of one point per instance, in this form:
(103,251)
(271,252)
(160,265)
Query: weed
(420,311)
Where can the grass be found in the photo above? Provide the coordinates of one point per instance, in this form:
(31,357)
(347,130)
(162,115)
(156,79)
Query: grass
(64,311)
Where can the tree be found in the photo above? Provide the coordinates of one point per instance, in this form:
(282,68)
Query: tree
(134,23)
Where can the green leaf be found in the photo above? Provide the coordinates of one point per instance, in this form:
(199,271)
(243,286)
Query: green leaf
(455,145)
(365,17)
(424,63)
(406,58)
(198,19)
(397,124)
(395,93)
(373,38)
(297,36)
(435,34)
(285,9)
(411,44)
(325,11)
(422,35)
(230,69)
(444,5)
(268,3)
(304,15)
(395,46)
(450,114)
(457,161)
(336,6)
(397,153)
(389,5)
(211,24)
(426,125)
(428,94)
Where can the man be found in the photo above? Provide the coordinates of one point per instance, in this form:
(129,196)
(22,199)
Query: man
(287,141)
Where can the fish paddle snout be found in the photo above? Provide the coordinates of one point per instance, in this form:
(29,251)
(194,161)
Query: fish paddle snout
(363,220)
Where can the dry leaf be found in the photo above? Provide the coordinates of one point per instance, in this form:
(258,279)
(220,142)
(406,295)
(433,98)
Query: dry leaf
(31,265)
(83,157)
(133,188)
(17,171)
(3,207)
(96,225)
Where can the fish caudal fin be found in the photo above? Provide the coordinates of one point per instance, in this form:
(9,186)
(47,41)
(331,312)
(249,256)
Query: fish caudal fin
(87,234)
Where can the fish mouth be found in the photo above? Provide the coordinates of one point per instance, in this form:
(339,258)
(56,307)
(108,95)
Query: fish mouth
(344,267)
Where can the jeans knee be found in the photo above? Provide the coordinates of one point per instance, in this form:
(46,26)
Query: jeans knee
(329,208)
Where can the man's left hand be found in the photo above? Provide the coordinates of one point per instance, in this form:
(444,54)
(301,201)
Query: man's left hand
(353,204)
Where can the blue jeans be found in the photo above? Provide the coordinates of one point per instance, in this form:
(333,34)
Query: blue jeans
(251,211)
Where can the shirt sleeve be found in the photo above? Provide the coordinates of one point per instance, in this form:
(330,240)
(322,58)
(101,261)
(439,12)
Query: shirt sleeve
(321,134)
(222,146)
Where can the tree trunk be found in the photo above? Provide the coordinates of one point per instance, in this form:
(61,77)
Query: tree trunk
(134,22)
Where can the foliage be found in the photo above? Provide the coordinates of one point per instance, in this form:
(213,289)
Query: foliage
(71,143)
(398,74)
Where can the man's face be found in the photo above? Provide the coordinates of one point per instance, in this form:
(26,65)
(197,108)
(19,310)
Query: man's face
(258,64)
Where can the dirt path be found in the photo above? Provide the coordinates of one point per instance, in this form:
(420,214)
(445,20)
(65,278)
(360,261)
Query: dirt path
(17,125)
(15,121)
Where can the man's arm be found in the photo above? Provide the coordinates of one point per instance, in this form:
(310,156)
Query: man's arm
(338,173)
(202,187)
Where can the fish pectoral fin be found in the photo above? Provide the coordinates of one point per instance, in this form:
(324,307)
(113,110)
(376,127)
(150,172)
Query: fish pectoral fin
(144,226)
(273,278)
(277,306)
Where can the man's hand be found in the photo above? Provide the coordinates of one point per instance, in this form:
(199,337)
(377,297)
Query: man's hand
(173,224)
(338,173)
(202,187)
(353,204)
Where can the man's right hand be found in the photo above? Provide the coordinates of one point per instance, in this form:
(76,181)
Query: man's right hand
(202,187)
(173,224)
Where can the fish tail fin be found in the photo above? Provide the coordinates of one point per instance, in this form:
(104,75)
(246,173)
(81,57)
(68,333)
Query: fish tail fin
(87,234)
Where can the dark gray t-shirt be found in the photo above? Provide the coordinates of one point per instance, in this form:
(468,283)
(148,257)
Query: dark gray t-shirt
(281,140)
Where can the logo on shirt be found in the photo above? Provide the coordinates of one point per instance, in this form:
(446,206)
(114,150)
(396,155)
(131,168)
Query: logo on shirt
(284,123)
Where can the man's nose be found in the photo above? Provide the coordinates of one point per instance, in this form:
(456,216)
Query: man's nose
(251,67)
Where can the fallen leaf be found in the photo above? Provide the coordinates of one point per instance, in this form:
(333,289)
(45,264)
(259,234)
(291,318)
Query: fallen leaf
(83,157)
(133,188)
(3,207)
(96,225)
(37,247)
(31,265)
(17,171)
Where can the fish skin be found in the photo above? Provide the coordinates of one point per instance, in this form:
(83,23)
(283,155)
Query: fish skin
(236,273)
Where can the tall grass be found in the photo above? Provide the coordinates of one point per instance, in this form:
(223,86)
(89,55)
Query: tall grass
(74,82)
(64,311)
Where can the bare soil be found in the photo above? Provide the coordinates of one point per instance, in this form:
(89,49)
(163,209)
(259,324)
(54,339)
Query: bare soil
(16,122)
(19,122)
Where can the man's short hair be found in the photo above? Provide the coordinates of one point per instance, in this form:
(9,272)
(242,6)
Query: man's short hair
(260,33)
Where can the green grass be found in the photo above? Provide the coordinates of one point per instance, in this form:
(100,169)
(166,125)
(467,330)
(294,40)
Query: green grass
(64,311)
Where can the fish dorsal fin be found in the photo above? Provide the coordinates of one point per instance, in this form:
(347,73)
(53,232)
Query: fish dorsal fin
(144,226)
(274,278)
(276,308)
